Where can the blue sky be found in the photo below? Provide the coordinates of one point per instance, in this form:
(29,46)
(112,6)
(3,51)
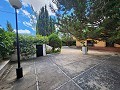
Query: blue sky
(24,15)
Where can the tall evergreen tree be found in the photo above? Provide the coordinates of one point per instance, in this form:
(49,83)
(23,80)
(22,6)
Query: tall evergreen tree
(46,21)
(45,25)
(40,23)
(9,27)
(51,26)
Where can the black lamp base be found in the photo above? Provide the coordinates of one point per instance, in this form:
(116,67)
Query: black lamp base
(19,73)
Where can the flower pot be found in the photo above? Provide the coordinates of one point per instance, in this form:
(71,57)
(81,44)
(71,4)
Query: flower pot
(84,50)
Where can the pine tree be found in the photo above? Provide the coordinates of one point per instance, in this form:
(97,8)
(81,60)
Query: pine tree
(99,14)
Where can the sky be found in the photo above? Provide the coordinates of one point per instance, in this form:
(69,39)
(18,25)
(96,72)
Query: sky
(25,22)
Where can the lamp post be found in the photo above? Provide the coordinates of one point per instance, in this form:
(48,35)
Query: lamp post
(17,5)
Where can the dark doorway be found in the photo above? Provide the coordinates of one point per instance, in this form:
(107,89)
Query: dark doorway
(90,43)
(109,44)
(39,51)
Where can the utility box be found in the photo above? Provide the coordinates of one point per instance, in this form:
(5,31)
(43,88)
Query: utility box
(41,50)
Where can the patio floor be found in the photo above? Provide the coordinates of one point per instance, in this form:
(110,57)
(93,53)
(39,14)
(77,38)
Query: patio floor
(69,70)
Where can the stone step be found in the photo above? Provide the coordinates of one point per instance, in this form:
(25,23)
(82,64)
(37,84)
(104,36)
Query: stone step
(3,66)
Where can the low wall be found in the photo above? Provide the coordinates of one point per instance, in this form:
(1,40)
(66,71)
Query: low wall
(100,44)
(116,45)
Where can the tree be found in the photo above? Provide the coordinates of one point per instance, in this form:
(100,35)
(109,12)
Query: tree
(106,14)
(98,16)
(51,27)
(67,39)
(45,25)
(76,22)
(9,27)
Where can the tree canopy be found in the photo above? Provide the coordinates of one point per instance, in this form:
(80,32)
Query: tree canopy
(97,19)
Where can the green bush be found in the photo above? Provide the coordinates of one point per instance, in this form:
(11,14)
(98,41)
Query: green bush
(55,41)
(27,47)
(6,43)
(39,40)
(28,44)
(67,39)
(69,43)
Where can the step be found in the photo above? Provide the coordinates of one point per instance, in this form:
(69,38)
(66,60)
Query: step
(3,66)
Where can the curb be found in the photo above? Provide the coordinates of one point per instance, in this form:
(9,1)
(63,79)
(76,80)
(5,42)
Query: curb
(3,66)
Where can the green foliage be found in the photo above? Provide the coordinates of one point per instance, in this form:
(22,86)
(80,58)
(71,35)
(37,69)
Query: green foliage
(28,44)
(67,39)
(103,17)
(27,47)
(45,25)
(9,27)
(55,41)
(6,39)
(39,40)
(115,37)
(79,30)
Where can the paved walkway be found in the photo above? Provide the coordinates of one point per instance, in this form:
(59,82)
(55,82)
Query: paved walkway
(69,70)
(106,49)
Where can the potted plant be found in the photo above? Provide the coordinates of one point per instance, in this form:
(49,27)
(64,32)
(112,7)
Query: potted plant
(84,47)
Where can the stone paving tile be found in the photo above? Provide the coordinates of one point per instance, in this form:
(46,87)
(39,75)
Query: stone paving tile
(102,77)
(69,86)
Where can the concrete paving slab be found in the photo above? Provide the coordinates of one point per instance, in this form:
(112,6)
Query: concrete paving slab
(28,82)
(102,77)
(69,86)
(49,76)
(67,60)
(68,70)
(25,83)
(75,66)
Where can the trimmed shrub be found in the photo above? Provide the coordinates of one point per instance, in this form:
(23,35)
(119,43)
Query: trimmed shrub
(55,41)
(69,43)
(27,47)
(28,44)
(6,43)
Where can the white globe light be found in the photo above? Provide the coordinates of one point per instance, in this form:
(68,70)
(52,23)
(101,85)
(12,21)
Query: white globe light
(16,4)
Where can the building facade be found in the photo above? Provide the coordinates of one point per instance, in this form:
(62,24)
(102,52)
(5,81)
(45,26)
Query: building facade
(89,42)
